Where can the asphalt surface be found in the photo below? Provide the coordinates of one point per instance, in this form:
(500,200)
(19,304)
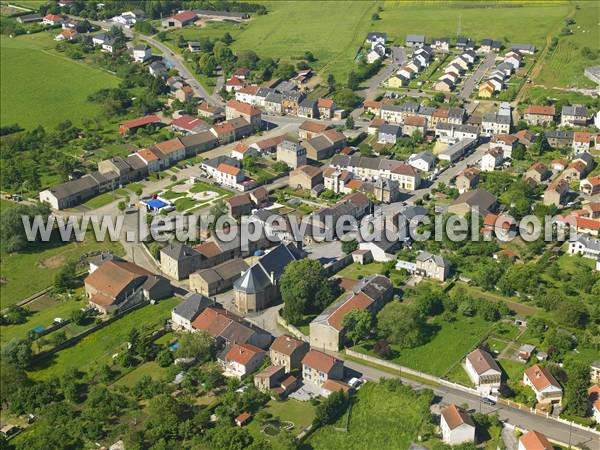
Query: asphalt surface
(523,419)
(471,82)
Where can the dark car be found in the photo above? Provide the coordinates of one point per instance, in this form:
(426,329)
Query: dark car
(488,401)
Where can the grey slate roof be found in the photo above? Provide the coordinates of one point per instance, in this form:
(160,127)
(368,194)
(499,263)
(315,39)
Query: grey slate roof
(574,110)
(390,129)
(439,261)
(526,47)
(192,306)
(419,38)
(178,251)
(496,118)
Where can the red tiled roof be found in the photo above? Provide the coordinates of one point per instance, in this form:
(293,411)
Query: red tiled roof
(187,122)
(319,361)
(313,127)
(405,169)
(582,136)
(140,121)
(415,121)
(455,417)
(325,103)
(112,277)
(286,345)
(372,104)
(248,90)
(533,440)
(356,301)
(185,16)
(540,110)
(234,81)
(540,378)
(212,321)
(243,108)
(170,146)
(242,353)
(147,155)
(226,168)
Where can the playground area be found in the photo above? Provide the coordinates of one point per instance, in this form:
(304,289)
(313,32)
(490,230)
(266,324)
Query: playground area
(192,195)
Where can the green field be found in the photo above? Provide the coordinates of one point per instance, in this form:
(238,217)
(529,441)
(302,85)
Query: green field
(450,344)
(380,418)
(503,21)
(43,87)
(98,347)
(564,66)
(31,271)
(45,316)
(150,368)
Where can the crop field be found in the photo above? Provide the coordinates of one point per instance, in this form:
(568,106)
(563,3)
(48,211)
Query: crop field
(43,87)
(564,65)
(506,21)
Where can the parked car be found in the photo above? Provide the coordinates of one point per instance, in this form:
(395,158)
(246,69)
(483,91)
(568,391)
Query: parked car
(488,401)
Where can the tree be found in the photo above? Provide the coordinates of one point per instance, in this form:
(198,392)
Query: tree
(401,324)
(346,98)
(304,288)
(573,313)
(285,71)
(330,409)
(357,325)
(350,122)
(164,357)
(382,349)
(576,398)
(331,81)
(349,246)
(121,206)
(66,278)
(353,81)
(12,232)
(375,16)
(196,345)
(17,353)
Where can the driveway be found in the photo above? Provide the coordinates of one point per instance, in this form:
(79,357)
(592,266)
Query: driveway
(469,84)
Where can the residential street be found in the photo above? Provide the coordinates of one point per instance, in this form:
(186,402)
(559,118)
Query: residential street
(523,419)
(469,84)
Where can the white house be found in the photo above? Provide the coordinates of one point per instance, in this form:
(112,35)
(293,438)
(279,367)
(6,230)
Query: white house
(229,175)
(141,53)
(424,161)
(547,389)
(585,245)
(457,426)
(533,440)
(241,360)
(483,371)
(492,159)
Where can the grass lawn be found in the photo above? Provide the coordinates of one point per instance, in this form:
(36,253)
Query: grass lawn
(300,413)
(564,65)
(44,317)
(450,343)
(380,418)
(148,368)
(43,87)
(98,347)
(185,203)
(513,369)
(459,375)
(44,260)
(102,200)
(356,270)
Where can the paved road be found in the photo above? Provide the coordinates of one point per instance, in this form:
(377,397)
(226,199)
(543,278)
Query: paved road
(469,84)
(176,59)
(523,419)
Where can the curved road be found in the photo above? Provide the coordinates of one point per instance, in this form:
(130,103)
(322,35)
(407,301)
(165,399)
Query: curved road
(176,59)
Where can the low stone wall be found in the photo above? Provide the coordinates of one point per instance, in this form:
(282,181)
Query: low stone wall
(292,329)
(337,265)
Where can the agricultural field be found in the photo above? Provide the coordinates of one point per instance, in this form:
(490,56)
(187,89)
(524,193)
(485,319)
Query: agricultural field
(98,347)
(511,23)
(46,261)
(564,66)
(35,90)
(380,418)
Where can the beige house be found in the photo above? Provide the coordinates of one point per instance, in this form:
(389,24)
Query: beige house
(467,179)
(217,279)
(292,153)
(258,287)
(288,352)
(477,200)
(327,329)
(318,367)
(269,378)
(432,266)
(537,172)
(556,192)
(305,177)
(539,115)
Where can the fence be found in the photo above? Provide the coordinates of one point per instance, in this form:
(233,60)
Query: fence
(441,381)
(291,328)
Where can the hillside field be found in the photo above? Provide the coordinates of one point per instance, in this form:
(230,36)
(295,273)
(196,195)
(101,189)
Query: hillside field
(564,66)
(43,87)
